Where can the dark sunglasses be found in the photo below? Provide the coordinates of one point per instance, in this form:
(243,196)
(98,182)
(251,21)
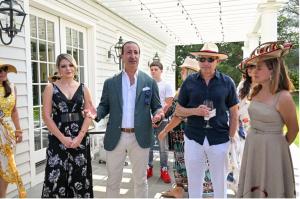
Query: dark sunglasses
(203,59)
(251,66)
(4,69)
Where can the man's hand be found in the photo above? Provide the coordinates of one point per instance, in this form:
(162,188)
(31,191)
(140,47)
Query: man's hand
(202,110)
(90,113)
(157,118)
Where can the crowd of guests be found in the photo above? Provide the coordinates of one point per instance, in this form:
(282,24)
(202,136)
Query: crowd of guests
(204,119)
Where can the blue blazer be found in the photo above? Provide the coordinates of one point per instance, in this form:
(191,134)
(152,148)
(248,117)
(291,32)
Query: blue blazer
(147,101)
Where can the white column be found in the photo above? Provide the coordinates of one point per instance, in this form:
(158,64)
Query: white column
(269,20)
(251,43)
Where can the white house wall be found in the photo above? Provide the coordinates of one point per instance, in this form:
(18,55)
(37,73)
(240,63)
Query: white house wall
(103,30)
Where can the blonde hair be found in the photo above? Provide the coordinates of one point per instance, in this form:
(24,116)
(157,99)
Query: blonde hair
(68,57)
(280,79)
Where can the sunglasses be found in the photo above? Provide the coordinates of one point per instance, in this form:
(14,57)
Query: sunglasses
(203,59)
(250,66)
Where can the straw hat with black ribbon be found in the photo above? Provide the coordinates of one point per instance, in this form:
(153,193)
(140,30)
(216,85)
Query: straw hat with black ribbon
(210,49)
(10,68)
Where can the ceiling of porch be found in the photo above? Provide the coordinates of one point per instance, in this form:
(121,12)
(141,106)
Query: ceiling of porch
(190,21)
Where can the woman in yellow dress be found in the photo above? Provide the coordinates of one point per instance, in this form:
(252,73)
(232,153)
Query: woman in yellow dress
(8,136)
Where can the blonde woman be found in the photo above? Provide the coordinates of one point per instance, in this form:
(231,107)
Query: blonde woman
(68,172)
(8,135)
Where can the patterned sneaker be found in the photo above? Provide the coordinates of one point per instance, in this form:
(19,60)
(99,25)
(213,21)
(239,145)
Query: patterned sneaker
(164,175)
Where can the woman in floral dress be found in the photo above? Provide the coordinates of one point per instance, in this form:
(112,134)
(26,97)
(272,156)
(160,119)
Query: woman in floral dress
(9,117)
(68,172)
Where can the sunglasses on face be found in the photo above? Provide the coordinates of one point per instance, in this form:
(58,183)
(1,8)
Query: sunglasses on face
(203,59)
(250,66)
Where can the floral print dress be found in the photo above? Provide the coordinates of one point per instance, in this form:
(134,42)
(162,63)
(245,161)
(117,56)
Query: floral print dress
(68,172)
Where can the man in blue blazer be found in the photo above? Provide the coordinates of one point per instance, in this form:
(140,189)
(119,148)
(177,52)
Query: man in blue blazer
(129,98)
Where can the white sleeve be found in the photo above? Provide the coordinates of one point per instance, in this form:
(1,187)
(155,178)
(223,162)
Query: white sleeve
(169,91)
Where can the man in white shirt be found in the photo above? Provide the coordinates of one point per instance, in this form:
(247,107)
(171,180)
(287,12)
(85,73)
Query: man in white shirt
(130,98)
(166,97)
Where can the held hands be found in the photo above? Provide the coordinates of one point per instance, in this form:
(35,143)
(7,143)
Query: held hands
(157,119)
(91,113)
(68,142)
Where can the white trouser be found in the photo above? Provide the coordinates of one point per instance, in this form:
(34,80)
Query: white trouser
(115,162)
(195,161)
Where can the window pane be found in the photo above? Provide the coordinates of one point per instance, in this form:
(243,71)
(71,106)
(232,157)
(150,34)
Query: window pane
(34,67)
(37,139)
(45,140)
(75,38)
(35,93)
(42,45)
(32,26)
(43,73)
(69,50)
(50,29)
(68,36)
(81,74)
(81,58)
(36,117)
(34,49)
(75,54)
(80,40)
(52,69)
(42,28)
(42,91)
(51,52)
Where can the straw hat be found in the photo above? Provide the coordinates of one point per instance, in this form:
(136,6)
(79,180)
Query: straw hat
(191,64)
(10,68)
(210,49)
(269,50)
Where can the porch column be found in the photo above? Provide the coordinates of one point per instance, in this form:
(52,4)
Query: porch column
(269,12)
(251,43)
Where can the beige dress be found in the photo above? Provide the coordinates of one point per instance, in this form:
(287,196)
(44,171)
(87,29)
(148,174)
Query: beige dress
(266,169)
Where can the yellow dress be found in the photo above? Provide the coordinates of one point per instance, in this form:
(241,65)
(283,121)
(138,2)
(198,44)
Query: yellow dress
(8,168)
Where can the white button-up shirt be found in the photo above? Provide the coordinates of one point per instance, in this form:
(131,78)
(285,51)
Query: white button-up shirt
(128,95)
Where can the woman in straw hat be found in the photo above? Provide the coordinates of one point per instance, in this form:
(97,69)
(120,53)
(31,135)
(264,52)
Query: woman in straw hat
(8,136)
(267,169)
(189,66)
(68,171)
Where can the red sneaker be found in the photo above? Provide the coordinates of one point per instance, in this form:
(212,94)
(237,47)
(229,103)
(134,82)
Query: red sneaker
(149,172)
(164,175)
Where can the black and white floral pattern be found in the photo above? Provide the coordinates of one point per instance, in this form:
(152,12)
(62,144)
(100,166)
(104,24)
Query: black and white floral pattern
(68,172)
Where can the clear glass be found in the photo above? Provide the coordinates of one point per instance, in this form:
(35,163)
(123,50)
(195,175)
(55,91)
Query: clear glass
(210,105)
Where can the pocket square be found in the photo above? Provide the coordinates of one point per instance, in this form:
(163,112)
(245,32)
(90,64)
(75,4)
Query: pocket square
(146,88)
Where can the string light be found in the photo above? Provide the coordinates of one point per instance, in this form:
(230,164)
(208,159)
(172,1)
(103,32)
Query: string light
(157,20)
(188,17)
(221,22)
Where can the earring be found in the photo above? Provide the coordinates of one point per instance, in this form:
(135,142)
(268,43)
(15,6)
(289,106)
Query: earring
(270,77)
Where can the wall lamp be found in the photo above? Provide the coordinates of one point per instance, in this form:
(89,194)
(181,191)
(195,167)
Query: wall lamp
(12,17)
(118,52)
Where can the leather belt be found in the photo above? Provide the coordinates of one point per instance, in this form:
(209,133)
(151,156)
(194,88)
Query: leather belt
(70,117)
(127,130)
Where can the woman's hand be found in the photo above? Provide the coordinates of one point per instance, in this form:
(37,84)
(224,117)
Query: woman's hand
(77,140)
(67,141)
(19,136)
(162,135)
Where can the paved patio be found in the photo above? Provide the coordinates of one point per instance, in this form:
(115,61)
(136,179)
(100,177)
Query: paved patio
(156,185)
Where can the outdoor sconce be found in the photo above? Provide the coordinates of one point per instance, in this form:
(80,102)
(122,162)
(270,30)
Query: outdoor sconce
(12,17)
(172,68)
(154,59)
(118,52)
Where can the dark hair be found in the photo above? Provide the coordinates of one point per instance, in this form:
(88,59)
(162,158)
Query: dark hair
(158,64)
(7,88)
(129,42)
(245,90)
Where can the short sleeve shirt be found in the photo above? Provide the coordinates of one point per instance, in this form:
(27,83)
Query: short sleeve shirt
(222,91)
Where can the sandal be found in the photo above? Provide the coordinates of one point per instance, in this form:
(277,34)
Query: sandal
(176,192)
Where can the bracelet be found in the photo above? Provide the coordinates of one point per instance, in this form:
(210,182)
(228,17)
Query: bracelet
(18,130)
